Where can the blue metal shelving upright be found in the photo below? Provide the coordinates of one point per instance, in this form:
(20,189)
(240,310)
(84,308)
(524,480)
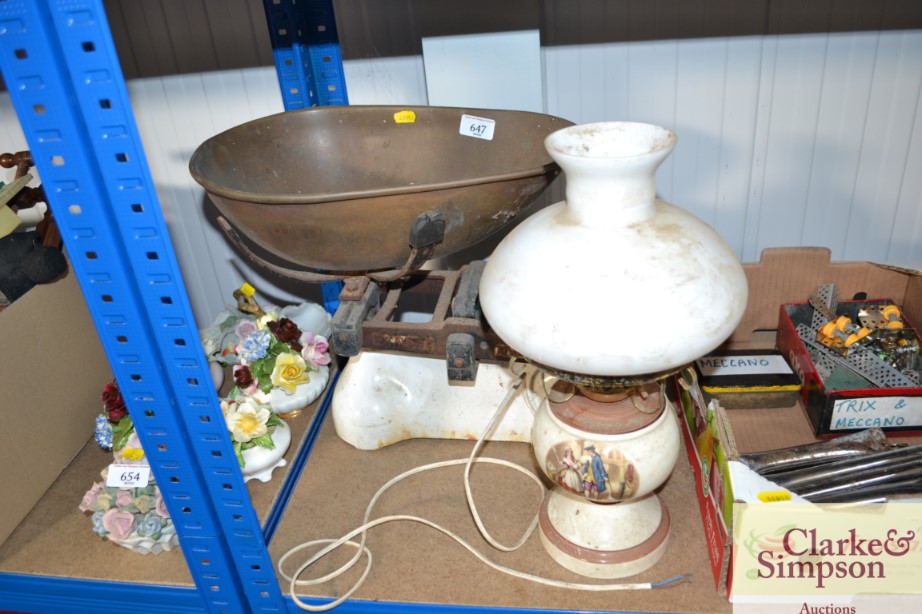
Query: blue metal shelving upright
(61,69)
(305,45)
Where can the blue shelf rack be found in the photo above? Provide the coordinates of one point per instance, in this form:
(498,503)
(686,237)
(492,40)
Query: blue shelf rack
(306,50)
(309,64)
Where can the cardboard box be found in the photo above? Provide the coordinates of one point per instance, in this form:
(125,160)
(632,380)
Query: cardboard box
(837,400)
(53,372)
(709,447)
(715,437)
(742,379)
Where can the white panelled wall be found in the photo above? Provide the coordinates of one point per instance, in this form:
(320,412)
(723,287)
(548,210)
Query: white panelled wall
(783,140)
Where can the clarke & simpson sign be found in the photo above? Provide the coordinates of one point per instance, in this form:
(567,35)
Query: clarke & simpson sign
(826,559)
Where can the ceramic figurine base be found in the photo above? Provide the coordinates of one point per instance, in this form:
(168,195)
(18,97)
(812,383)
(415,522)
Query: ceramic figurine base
(261,462)
(637,541)
(288,406)
(146,545)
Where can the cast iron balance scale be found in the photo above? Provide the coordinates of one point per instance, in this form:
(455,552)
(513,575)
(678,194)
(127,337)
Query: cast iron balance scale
(368,195)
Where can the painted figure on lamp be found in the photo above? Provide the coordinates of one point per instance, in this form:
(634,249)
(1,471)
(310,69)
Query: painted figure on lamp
(595,474)
(571,476)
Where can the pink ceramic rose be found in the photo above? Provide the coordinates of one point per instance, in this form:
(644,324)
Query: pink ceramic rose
(160,505)
(119,524)
(124,498)
(244,328)
(315,349)
(89,499)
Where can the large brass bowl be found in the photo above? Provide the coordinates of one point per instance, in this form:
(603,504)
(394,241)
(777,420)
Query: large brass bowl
(337,189)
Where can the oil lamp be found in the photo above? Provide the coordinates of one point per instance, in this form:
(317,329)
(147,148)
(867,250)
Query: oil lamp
(610,291)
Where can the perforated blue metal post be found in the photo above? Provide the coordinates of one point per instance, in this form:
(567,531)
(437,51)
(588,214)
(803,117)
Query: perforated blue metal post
(60,67)
(305,45)
(306,49)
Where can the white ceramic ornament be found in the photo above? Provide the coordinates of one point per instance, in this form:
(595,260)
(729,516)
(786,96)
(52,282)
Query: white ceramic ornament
(261,462)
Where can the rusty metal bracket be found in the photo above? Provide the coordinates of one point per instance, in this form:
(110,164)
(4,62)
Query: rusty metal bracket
(382,332)
(304,276)
(465,303)
(427,231)
(461,356)
(354,288)
(347,325)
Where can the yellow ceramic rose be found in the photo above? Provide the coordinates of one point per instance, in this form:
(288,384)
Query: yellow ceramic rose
(290,371)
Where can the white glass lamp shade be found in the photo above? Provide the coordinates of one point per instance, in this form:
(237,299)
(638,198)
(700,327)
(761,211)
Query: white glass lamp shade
(613,281)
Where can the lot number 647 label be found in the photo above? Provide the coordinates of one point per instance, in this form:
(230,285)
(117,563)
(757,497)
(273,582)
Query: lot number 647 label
(477,127)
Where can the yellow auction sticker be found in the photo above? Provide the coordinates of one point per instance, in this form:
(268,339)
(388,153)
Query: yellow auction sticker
(773,496)
(405,117)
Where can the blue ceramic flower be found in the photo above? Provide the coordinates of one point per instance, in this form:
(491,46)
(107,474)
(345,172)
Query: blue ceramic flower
(150,525)
(103,432)
(98,529)
(254,346)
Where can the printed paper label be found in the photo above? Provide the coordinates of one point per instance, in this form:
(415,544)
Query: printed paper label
(477,127)
(127,476)
(774,496)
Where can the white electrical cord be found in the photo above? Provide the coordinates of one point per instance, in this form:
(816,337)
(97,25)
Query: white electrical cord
(330,544)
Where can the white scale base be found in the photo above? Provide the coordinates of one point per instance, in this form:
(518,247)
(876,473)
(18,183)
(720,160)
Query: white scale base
(384,398)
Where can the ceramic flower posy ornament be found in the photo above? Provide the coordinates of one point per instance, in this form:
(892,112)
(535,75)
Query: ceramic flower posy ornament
(249,424)
(277,354)
(114,428)
(135,518)
(222,340)
(272,357)
(130,517)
